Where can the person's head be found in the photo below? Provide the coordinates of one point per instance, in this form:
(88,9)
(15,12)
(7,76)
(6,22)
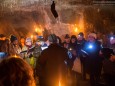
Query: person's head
(14,39)
(65,45)
(2,37)
(40,41)
(52,38)
(28,42)
(67,38)
(73,39)
(80,36)
(92,37)
(111,33)
(15,72)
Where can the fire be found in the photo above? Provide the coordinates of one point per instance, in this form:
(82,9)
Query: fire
(59,83)
(76,29)
(32,36)
(36,30)
(15,56)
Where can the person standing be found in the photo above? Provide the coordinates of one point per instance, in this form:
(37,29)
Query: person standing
(80,44)
(51,68)
(93,61)
(14,48)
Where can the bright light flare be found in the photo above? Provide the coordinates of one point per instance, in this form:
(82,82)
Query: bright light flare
(15,56)
(70,49)
(59,83)
(36,30)
(111,38)
(76,29)
(90,46)
(32,36)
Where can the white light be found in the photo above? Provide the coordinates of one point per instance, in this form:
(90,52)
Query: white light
(112,38)
(90,46)
(59,83)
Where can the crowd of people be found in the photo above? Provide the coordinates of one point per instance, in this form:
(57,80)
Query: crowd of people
(24,60)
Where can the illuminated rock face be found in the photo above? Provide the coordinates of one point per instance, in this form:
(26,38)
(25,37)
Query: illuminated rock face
(20,17)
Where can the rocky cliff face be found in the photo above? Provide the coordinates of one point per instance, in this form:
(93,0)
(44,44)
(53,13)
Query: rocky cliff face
(22,17)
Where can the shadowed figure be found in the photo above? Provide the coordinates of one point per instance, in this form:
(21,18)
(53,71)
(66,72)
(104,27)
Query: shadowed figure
(54,12)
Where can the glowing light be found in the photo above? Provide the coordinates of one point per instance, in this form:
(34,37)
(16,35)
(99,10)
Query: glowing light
(111,38)
(59,83)
(76,29)
(90,46)
(70,49)
(15,56)
(79,35)
(32,36)
(36,30)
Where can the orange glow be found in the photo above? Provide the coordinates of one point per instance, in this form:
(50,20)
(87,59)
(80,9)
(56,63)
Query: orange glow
(15,56)
(76,29)
(36,30)
(39,30)
(32,36)
(59,83)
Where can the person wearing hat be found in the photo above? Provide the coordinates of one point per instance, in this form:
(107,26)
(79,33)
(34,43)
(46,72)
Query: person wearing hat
(14,48)
(93,61)
(80,43)
(51,66)
(66,40)
(27,52)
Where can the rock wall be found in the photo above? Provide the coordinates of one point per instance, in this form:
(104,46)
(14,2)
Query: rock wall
(23,18)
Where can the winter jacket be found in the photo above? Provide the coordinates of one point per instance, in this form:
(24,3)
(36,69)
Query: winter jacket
(92,60)
(51,66)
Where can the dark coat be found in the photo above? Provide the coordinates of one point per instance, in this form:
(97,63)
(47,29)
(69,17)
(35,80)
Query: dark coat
(79,46)
(51,65)
(93,61)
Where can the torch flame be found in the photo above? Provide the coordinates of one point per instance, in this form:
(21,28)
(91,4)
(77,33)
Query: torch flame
(59,83)
(32,36)
(15,56)
(76,29)
(36,30)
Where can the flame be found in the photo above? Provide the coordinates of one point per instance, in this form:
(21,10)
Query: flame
(15,56)
(76,29)
(59,83)
(36,30)
(32,36)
